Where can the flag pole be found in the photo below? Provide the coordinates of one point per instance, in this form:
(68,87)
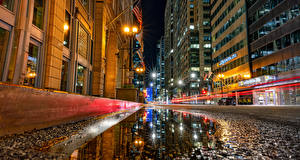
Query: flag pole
(119,15)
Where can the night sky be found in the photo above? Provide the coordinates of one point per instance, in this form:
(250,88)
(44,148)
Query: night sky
(153,25)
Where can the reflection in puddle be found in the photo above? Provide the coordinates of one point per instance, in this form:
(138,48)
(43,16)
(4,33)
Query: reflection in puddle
(154,134)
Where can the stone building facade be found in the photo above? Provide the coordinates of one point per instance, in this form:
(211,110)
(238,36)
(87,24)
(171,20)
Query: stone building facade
(66,45)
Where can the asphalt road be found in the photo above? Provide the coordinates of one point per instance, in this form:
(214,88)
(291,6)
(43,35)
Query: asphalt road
(288,114)
(243,132)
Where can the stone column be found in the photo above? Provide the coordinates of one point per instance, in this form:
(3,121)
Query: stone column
(54,44)
(23,27)
(111,65)
(99,48)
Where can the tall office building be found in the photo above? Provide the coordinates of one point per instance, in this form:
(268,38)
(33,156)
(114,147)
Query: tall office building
(230,58)
(168,48)
(274,36)
(187,46)
(202,17)
(160,67)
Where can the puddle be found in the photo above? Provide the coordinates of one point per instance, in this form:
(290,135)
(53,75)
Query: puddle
(154,134)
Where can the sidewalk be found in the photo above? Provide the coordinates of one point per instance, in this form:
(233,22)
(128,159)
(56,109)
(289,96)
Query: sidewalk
(23,108)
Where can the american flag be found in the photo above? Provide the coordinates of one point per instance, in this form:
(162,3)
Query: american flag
(137,10)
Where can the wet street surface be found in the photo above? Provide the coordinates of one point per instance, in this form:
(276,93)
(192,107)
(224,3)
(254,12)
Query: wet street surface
(160,133)
(179,132)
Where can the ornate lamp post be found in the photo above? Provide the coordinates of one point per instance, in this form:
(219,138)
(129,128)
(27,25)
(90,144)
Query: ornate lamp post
(130,31)
(139,71)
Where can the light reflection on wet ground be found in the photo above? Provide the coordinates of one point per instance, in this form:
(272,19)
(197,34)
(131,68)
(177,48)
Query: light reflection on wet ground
(155,133)
(198,132)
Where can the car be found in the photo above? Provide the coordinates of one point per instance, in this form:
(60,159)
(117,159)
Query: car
(227,101)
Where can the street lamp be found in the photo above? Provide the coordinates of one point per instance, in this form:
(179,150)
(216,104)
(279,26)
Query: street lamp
(193,75)
(153,75)
(66,27)
(139,71)
(180,82)
(246,76)
(221,76)
(131,31)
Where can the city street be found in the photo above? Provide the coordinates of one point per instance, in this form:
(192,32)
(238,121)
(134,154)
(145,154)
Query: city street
(149,79)
(168,132)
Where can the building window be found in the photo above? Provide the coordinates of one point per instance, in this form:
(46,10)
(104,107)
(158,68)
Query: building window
(64,75)
(206,23)
(206,38)
(192,13)
(4,37)
(83,42)
(207,46)
(276,45)
(276,22)
(80,79)
(38,13)
(206,8)
(67,30)
(207,62)
(32,65)
(191,6)
(286,41)
(206,1)
(296,36)
(207,16)
(206,30)
(7,4)
(192,20)
(194,45)
(207,54)
(85,4)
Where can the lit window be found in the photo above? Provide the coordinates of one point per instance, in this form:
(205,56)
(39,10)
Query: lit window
(194,45)
(207,68)
(195,69)
(207,46)
(192,27)
(206,23)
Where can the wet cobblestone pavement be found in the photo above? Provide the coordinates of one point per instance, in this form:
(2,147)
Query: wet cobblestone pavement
(160,133)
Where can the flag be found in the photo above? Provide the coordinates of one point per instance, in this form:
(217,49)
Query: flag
(139,37)
(137,10)
(205,76)
(209,74)
(140,54)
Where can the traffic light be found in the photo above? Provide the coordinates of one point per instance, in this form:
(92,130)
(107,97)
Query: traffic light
(204,91)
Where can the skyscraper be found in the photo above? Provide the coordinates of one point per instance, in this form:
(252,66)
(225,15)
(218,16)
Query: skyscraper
(230,58)
(187,46)
(160,67)
(274,38)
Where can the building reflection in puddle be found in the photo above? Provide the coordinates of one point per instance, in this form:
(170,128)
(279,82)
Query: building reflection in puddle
(154,134)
